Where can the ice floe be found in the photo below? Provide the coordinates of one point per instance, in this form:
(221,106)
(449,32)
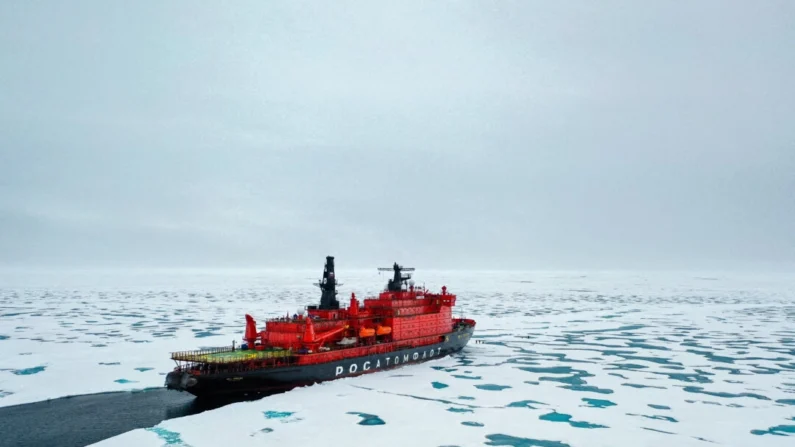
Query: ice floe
(559,359)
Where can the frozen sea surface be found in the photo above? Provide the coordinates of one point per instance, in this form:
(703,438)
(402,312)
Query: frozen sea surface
(559,358)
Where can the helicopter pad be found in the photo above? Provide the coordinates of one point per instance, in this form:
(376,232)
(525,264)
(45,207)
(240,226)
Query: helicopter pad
(217,356)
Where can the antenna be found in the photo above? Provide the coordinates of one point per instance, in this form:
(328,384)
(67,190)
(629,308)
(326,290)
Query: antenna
(395,284)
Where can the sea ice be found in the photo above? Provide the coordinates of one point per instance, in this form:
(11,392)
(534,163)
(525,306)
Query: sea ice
(559,359)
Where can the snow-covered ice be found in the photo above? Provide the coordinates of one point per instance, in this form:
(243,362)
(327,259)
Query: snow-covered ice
(558,359)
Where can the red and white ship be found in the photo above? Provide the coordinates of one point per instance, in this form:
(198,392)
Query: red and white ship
(404,324)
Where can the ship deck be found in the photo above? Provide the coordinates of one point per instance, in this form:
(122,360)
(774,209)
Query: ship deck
(228,355)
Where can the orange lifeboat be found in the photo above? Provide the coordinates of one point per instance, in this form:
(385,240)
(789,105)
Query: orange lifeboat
(383,330)
(366,332)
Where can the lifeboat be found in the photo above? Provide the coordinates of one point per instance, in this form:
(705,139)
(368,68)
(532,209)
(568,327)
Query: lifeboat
(366,332)
(383,330)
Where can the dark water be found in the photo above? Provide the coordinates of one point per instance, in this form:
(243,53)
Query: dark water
(77,421)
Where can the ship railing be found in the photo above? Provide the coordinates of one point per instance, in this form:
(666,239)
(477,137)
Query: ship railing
(236,367)
(200,355)
(227,355)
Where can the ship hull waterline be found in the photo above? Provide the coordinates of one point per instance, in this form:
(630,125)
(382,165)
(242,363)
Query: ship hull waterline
(272,380)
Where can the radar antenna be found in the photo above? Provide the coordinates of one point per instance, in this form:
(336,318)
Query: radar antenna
(396,283)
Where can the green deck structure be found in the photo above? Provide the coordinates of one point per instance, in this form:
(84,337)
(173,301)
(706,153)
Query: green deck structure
(228,355)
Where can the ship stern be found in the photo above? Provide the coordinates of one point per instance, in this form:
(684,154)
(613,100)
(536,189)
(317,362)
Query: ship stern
(180,380)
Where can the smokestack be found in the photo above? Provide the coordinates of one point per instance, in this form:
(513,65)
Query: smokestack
(328,286)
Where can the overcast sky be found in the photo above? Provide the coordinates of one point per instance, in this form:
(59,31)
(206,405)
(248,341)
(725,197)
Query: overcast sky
(526,134)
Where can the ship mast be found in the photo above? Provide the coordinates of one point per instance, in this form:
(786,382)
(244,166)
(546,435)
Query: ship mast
(395,284)
(328,287)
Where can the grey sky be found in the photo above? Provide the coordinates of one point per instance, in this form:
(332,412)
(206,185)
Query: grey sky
(445,134)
